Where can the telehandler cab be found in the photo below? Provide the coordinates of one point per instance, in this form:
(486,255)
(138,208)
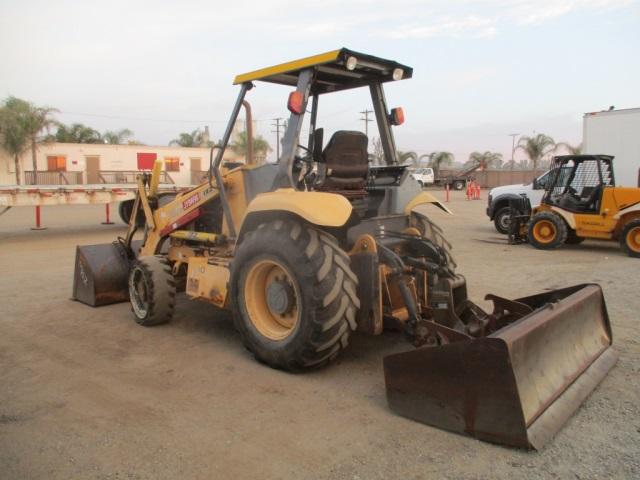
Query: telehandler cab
(320,244)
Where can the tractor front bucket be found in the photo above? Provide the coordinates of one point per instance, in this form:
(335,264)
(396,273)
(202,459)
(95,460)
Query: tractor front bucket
(518,385)
(101,274)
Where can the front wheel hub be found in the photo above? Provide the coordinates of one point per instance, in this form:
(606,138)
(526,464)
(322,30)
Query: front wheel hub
(280,297)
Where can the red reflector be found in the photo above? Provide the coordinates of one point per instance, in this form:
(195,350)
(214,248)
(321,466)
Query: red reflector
(295,102)
(397,116)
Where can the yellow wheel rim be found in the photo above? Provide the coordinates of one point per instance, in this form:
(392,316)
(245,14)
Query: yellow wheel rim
(633,239)
(272,299)
(544,231)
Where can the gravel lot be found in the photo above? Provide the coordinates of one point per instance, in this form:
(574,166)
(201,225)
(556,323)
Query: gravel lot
(86,393)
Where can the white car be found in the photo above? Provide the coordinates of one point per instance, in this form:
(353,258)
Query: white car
(498,206)
(424,176)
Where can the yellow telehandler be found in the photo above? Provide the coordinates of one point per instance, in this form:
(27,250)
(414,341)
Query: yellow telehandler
(581,201)
(321,244)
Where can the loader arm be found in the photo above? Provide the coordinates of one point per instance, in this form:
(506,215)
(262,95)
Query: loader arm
(162,221)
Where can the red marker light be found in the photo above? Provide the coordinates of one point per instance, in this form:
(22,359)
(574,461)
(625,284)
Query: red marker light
(295,102)
(397,116)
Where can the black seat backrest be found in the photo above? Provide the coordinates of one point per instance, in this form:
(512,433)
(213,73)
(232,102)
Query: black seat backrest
(346,162)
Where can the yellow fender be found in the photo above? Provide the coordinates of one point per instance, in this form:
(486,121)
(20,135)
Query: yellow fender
(424,198)
(317,208)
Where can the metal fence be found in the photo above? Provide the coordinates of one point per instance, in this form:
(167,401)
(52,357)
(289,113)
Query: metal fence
(124,176)
(52,178)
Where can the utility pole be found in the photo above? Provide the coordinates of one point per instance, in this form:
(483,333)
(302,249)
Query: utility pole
(366,120)
(277,126)
(513,146)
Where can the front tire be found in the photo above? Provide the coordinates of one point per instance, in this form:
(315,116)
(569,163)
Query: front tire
(293,295)
(630,238)
(152,291)
(458,185)
(502,220)
(547,231)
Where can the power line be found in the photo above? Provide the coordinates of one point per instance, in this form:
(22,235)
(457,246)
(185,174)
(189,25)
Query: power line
(366,120)
(172,120)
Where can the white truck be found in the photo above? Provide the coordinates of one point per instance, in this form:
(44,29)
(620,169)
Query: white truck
(424,176)
(611,132)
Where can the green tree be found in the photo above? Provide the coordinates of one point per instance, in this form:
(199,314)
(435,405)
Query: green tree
(571,149)
(407,158)
(485,160)
(536,147)
(117,137)
(437,160)
(260,146)
(76,133)
(193,139)
(21,123)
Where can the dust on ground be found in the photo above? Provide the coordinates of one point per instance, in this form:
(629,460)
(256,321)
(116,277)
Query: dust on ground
(87,393)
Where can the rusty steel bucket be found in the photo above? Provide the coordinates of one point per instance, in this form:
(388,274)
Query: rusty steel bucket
(520,384)
(101,274)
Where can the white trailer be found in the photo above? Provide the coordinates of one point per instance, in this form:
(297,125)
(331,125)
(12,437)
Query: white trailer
(617,133)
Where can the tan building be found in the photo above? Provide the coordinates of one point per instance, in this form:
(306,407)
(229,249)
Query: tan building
(79,163)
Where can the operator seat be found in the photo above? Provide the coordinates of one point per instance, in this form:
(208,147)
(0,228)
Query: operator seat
(344,164)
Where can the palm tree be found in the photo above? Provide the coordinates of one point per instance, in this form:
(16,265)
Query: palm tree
(76,133)
(438,160)
(536,147)
(22,123)
(117,137)
(260,146)
(572,149)
(485,160)
(410,158)
(186,139)
(13,135)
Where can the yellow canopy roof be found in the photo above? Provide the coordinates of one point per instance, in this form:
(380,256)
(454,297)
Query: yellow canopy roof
(335,70)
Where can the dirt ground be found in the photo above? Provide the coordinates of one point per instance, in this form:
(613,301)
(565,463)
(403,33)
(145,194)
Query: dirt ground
(88,394)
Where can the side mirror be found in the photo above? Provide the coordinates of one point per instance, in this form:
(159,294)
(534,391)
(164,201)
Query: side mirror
(536,185)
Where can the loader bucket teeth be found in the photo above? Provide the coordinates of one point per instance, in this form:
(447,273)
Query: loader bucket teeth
(520,384)
(101,274)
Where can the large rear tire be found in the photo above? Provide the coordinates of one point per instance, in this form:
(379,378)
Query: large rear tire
(152,291)
(293,295)
(547,231)
(630,238)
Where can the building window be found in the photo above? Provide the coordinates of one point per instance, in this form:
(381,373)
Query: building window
(56,163)
(172,164)
(146,160)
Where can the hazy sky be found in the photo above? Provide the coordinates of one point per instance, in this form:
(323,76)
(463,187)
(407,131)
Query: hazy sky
(482,69)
